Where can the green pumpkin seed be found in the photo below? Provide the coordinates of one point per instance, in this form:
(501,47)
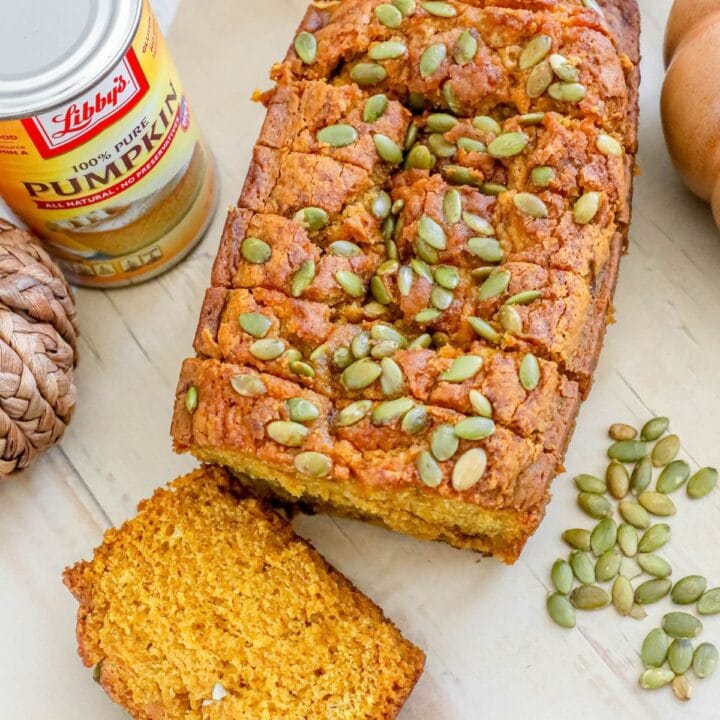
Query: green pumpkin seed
(421,342)
(481,273)
(539,80)
(338,136)
(469,469)
(441,298)
(388,149)
(531,205)
(465,48)
(432,59)
(627,451)
(524,298)
(560,610)
(447,276)
(360,345)
(486,248)
(562,67)
(627,539)
(655,537)
(607,566)
(641,476)
(590,484)
(508,144)
(439,9)
(657,504)
(486,124)
(484,330)
(590,597)
(191,399)
(470,145)
(705,660)
(634,514)
(392,380)
(665,451)
(682,688)
(618,480)
(440,146)
(361,374)
(388,15)
(577,538)
(255,324)
(638,612)
(344,248)
(428,469)
(406,7)
(567,92)
(267,349)
(623,595)
(381,331)
(596,506)
(291,355)
(475,428)
(379,291)
(411,136)
(342,357)
(494,286)
(529,372)
(608,145)
(443,442)
(586,208)
(313,464)
(535,51)
(451,98)
(688,590)
(629,568)
(654,649)
(388,412)
(385,348)
(306,47)
(255,251)
(478,225)
(452,206)
(654,565)
(367,74)
(656,678)
(480,404)
(604,536)
(381,205)
(302,368)
(562,576)
(458,175)
(510,320)
(425,252)
(432,233)
(673,477)
(542,175)
(284,432)
(702,483)
(302,410)
(415,420)
(709,603)
(420,158)
(680,656)
(351,283)
(353,413)
(681,625)
(388,229)
(375,108)
(303,278)
(582,566)
(441,122)
(652,591)
(388,50)
(462,369)
(405,280)
(621,431)
(422,270)
(312,218)
(427,316)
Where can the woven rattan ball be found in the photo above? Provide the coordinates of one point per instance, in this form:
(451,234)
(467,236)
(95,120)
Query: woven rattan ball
(38,344)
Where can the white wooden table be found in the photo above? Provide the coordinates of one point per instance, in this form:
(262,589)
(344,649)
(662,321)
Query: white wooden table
(492,652)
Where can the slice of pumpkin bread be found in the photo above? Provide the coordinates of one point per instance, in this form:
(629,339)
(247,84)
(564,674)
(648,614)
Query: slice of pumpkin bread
(208,606)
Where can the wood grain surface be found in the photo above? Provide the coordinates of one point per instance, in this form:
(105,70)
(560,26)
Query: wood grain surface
(492,652)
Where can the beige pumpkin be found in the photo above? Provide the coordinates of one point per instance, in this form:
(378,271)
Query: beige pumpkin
(690,102)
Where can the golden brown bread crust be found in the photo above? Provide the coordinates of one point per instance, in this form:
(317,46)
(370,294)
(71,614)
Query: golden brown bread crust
(207,585)
(571,267)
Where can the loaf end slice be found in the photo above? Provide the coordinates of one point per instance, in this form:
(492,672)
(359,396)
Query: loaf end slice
(207,605)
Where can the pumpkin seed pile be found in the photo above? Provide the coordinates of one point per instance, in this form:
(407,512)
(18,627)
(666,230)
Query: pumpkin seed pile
(624,555)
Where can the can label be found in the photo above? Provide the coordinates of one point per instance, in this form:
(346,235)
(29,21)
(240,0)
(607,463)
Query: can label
(117,181)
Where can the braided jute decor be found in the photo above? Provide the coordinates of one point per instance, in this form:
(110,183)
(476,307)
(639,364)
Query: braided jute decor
(38,344)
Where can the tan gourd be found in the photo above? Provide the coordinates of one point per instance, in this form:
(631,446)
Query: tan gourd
(691,96)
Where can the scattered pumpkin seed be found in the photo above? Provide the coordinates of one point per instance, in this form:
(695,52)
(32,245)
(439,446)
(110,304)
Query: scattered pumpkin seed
(427,316)
(443,442)
(484,329)
(351,283)
(385,348)
(344,248)
(567,92)
(709,603)
(388,412)
(255,251)
(423,342)
(561,610)
(422,270)
(360,345)
(524,298)
(688,590)
(303,278)
(510,320)
(465,48)
(702,483)
(353,413)
(582,566)
(302,410)
(608,565)
(367,74)
(432,59)
(673,477)
(338,136)
(596,506)
(705,660)
(478,225)
(342,357)
(682,688)
(563,68)
(284,432)
(486,124)
(621,431)
(302,368)
(618,480)
(379,291)
(590,484)
(389,15)
(267,348)
(470,145)
(623,595)
(586,208)
(432,233)
(590,597)
(415,420)
(627,539)
(392,380)
(388,149)
(255,324)
(458,175)
(191,399)
(534,118)
(447,276)
(634,514)
(439,9)
(314,464)
(542,175)
(562,576)
(375,107)
(652,591)
(440,146)
(425,252)
(291,355)
(654,565)
(494,286)
(657,504)
(429,471)
(665,451)
(638,612)
(641,476)
(577,538)
(381,331)
(360,374)
(654,649)
(441,122)
(406,7)
(680,655)
(405,280)
(451,98)
(539,80)
(603,536)
(508,144)
(655,537)
(306,47)
(469,469)
(535,51)
(608,145)
(452,206)
(462,369)
(441,298)
(627,451)
(388,50)
(381,205)
(411,136)
(531,205)
(681,625)
(529,372)
(474,428)
(486,248)
(656,678)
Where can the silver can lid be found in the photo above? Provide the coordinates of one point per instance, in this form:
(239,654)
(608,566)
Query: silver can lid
(54,51)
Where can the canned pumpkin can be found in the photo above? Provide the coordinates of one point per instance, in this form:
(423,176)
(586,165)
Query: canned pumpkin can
(100,153)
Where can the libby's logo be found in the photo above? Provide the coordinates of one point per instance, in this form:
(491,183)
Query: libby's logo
(57,132)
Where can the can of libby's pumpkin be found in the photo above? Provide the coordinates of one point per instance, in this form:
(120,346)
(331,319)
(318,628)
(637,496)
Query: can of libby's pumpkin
(99,152)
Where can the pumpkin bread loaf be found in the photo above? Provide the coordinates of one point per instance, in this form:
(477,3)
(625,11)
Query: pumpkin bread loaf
(410,297)
(207,606)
